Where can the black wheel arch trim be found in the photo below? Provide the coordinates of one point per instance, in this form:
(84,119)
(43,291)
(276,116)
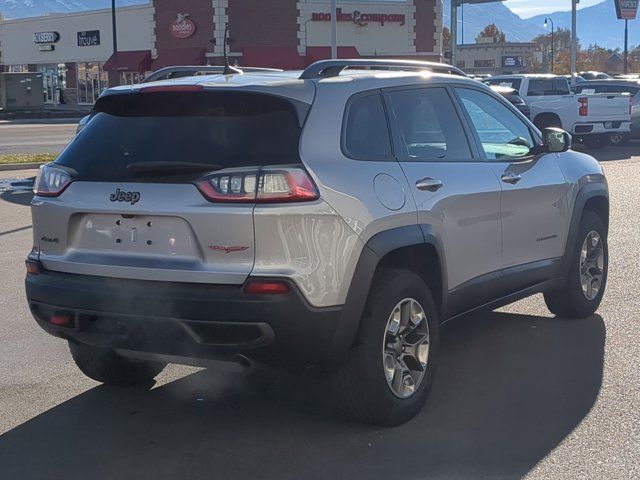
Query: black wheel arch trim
(372,253)
(593,186)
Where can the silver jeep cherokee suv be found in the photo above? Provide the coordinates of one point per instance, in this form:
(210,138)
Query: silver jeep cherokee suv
(332,218)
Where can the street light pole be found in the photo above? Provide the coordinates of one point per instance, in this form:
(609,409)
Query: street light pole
(626,46)
(334,30)
(546,21)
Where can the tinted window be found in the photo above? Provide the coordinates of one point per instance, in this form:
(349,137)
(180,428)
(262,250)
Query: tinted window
(502,134)
(505,82)
(222,129)
(548,86)
(605,88)
(367,132)
(430,125)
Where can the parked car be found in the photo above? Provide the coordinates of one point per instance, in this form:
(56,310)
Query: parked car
(592,118)
(613,86)
(514,98)
(593,75)
(573,80)
(196,221)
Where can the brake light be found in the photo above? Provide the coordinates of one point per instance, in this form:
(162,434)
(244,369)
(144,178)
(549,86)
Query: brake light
(172,88)
(583,111)
(51,181)
(269,185)
(259,287)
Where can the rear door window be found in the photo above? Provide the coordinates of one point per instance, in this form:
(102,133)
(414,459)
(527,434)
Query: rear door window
(548,86)
(225,130)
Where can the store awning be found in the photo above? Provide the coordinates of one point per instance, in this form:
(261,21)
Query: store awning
(131,61)
(324,53)
(178,56)
(276,57)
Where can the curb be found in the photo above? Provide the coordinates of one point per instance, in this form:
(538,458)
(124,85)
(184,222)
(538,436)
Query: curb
(20,166)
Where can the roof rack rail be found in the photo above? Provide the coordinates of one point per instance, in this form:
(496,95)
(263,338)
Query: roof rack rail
(333,68)
(178,71)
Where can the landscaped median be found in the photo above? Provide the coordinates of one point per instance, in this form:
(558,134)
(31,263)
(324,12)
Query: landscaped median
(20,161)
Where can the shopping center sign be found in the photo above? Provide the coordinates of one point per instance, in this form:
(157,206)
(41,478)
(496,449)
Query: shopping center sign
(361,19)
(183,27)
(626,9)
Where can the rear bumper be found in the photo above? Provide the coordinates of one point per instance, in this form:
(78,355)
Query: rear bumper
(192,321)
(596,128)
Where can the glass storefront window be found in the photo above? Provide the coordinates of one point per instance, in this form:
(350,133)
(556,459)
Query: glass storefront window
(92,80)
(54,79)
(131,78)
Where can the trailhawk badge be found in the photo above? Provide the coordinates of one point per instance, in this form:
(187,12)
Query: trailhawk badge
(122,196)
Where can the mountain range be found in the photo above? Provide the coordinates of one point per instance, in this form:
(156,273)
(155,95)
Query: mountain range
(596,24)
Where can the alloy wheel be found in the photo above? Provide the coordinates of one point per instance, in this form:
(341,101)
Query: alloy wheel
(591,265)
(405,349)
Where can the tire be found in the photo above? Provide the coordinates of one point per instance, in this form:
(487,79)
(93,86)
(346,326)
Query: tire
(595,142)
(361,383)
(105,366)
(543,121)
(571,300)
(619,139)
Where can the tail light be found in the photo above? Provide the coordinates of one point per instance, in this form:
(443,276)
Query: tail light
(583,111)
(51,181)
(33,266)
(268,185)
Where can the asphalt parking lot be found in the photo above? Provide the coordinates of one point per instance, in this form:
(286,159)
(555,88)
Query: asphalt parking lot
(519,393)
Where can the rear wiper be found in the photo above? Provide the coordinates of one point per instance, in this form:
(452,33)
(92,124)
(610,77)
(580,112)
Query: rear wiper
(171,167)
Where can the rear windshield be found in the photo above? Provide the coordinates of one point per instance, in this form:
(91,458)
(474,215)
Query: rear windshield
(230,129)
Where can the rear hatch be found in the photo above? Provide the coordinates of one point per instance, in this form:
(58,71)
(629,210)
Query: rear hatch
(161,185)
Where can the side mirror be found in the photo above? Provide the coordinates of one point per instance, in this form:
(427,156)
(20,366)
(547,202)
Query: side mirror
(556,140)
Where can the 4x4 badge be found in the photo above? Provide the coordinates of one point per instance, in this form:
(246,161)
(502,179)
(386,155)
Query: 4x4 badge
(121,196)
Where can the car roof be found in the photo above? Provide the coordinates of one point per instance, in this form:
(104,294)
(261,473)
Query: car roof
(289,84)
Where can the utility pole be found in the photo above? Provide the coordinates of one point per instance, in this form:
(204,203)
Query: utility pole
(115,37)
(334,29)
(574,39)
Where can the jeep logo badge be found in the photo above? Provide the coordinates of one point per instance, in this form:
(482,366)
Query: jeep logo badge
(121,196)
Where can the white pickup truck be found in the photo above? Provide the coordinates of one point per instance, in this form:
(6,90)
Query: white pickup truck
(592,118)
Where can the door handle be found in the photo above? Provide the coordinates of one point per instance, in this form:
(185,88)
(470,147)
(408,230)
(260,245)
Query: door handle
(511,178)
(429,184)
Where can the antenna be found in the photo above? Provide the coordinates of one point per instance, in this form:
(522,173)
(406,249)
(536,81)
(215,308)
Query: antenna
(228,69)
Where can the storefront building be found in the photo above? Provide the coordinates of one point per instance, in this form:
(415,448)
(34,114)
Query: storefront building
(75,51)
(495,58)
(71,49)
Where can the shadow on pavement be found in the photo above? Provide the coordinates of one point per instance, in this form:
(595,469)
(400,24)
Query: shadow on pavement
(509,389)
(18,191)
(611,153)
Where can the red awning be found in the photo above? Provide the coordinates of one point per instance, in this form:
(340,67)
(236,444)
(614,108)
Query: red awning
(179,56)
(287,58)
(132,61)
(324,53)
